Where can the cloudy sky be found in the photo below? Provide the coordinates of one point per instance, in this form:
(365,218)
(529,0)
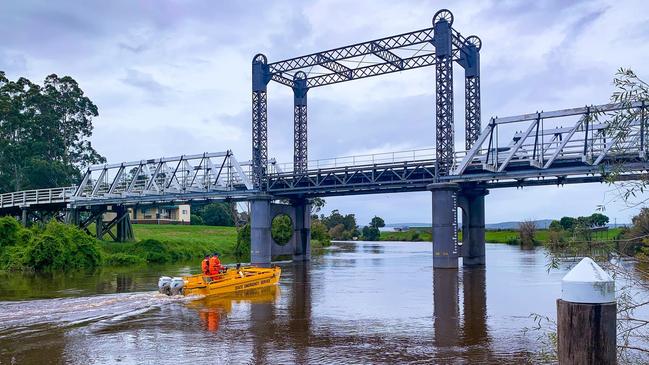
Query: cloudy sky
(173,77)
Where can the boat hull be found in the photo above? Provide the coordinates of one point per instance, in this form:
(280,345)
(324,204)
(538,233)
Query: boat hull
(231,281)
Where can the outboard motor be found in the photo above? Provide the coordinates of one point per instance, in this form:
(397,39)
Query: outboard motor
(176,286)
(164,285)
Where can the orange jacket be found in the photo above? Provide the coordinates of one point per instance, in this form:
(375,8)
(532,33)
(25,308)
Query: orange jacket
(205,265)
(215,265)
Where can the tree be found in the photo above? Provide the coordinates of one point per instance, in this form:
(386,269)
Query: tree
(371,233)
(555,225)
(216,214)
(336,232)
(319,232)
(281,229)
(567,223)
(317,204)
(43,133)
(598,220)
(527,230)
(377,222)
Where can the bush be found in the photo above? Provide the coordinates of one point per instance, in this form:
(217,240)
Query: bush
(152,251)
(196,220)
(217,214)
(243,241)
(281,229)
(11,232)
(123,259)
(526,231)
(62,247)
(371,233)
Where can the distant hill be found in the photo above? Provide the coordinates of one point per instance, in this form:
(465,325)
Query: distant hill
(540,223)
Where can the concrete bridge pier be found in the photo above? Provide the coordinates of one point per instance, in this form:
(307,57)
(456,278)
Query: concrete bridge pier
(302,230)
(445,247)
(260,237)
(473,226)
(262,245)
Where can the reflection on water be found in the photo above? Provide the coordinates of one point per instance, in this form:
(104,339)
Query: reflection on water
(360,303)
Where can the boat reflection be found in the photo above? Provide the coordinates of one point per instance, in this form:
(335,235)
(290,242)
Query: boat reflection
(211,309)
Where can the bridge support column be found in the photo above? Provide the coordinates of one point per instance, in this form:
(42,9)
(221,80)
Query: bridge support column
(473,227)
(24,217)
(99,226)
(300,123)
(445,248)
(72,217)
(124,228)
(302,230)
(260,237)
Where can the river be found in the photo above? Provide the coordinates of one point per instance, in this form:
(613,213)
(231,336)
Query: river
(360,302)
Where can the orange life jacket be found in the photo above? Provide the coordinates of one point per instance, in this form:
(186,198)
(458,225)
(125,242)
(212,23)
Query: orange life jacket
(205,265)
(215,265)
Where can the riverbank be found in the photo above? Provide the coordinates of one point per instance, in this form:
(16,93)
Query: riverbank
(491,236)
(171,243)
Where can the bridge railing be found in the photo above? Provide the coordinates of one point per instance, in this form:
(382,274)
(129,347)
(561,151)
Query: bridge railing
(381,158)
(545,139)
(207,172)
(36,197)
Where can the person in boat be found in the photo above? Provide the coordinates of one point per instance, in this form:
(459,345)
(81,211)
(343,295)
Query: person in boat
(205,265)
(215,264)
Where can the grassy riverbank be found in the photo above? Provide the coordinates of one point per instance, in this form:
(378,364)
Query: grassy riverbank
(168,243)
(491,236)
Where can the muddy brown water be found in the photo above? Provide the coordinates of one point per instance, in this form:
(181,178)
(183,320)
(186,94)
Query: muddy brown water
(358,303)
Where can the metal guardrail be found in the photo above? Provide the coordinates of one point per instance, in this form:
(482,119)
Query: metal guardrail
(37,197)
(422,154)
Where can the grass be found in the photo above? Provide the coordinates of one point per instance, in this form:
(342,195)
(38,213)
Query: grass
(225,237)
(168,243)
(491,236)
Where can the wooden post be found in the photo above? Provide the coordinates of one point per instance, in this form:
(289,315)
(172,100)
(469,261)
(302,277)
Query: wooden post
(586,316)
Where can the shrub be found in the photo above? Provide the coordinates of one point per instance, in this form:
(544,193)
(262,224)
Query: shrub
(526,231)
(123,259)
(62,247)
(196,220)
(152,251)
(243,241)
(10,231)
(282,229)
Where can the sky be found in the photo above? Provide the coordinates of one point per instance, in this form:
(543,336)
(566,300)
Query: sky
(173,77)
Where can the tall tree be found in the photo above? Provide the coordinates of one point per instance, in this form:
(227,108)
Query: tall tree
(44,133)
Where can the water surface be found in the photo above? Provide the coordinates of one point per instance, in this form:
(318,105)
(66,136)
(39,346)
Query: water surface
(360,303)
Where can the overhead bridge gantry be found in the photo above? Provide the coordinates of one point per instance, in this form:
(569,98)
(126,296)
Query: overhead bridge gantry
(439,45)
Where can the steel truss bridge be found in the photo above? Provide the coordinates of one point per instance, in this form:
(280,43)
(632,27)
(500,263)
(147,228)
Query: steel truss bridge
(585,150)
(550,147)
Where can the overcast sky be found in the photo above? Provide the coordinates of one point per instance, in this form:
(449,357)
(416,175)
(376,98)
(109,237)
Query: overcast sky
(173,77)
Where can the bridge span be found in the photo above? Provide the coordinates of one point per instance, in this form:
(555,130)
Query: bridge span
(558,147)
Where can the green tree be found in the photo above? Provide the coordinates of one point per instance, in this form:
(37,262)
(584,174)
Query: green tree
(281,229)
(599,219)
(371,233)
(377,222)
(243,241)
(567,223)
(317,204)
(44,133)
(216,214)
(319,232)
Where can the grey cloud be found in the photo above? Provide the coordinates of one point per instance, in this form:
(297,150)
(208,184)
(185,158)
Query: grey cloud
(155,91)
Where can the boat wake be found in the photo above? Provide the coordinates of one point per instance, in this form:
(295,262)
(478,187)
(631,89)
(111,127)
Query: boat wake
(25,317)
